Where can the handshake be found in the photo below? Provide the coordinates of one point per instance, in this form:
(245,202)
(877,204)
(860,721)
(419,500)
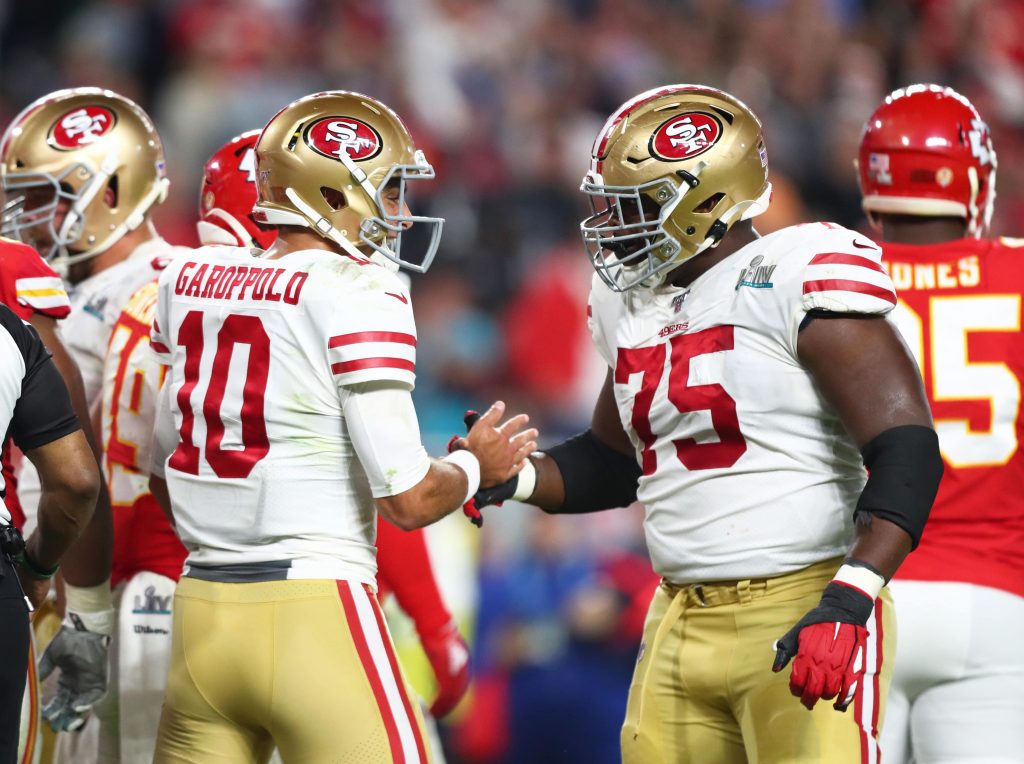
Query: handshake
(520,481)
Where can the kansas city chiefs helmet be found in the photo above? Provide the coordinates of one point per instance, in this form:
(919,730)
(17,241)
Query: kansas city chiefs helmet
(93,150)
(228,194)
(324,162)
(926,151)
(671,171)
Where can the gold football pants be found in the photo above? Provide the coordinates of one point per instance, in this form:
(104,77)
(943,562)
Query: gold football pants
(703,690)
(307,665)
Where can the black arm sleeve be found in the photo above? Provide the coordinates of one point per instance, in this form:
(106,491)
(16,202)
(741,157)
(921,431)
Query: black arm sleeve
(43,412)
(905,468)
(595,475)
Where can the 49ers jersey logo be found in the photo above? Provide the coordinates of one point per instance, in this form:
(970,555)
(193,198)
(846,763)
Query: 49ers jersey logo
(81,127)
(685,135)
(335,137)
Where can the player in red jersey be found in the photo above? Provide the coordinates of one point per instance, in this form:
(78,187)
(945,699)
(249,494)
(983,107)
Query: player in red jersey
(927,175)
(226,200)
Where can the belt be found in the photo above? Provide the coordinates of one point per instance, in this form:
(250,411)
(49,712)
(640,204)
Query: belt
(241,573)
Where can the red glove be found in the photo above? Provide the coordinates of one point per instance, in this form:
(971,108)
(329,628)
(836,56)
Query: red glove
(449,657)
(828,646)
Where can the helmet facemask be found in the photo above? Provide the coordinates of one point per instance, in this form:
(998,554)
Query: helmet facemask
(372,228)
(84,190)
(625,237)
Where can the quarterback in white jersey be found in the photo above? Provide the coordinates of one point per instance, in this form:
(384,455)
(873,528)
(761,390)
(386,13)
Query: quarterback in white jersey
(280,463)
(743,400)
(289,423)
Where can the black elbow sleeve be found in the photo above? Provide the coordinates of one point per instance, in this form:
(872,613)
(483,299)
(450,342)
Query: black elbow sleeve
(905,468)
(595,475)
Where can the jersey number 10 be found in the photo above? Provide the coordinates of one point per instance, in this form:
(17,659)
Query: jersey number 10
(225,462)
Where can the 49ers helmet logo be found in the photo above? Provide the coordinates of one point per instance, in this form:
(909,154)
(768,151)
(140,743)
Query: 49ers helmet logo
(685,135)
(81,127)
(335,137)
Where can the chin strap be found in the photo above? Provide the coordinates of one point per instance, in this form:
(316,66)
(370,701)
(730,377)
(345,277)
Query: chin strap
(322,225)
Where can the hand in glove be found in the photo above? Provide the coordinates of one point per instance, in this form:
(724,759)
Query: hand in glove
(79,652)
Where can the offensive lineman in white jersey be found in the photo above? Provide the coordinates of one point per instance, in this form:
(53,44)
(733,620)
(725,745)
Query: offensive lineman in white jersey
(91,166)
(745,374)
(289,414)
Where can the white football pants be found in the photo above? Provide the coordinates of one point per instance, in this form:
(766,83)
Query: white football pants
(957,693)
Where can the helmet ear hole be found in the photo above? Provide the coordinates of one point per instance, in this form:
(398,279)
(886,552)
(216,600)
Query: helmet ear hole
(335,199)
(709,204)
(110,193)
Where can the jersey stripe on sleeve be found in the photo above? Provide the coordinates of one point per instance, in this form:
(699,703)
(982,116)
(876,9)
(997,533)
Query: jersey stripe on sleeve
(847,283)
(44,294)
(372,355)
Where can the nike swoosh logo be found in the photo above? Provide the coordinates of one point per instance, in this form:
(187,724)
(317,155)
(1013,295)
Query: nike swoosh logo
(400,297)
(861,245)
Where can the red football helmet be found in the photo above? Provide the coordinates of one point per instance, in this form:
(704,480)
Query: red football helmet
(228,194)
(926,151)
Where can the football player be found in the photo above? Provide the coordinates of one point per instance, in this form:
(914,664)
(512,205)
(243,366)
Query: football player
(226,200)
(927,174)
(288,412)
(83,168)
(750,381)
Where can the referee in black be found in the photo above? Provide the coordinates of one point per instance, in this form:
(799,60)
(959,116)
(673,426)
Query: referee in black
(36,412)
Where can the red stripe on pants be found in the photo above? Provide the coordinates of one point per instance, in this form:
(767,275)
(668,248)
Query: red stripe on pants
(372,674)
(389,648)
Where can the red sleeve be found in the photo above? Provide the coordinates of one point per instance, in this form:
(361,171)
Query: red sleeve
(28,285)
(403,567)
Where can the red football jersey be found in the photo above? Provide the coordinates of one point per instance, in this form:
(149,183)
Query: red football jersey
(27,286)
(960,312)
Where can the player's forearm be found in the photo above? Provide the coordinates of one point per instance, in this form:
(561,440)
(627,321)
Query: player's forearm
(441,491)
(70,483)
(881,544)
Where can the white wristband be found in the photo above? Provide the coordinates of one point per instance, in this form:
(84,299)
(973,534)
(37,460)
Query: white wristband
(527,482)
(93,605)
(468,463)
(860,578)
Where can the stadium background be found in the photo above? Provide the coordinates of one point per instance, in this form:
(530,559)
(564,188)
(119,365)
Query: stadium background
(506,96)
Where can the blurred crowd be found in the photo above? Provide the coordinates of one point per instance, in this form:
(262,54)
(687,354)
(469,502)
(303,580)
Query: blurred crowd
(506,97)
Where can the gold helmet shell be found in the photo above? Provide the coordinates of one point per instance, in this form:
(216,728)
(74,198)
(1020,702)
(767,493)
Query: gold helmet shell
(93,150)
(324,161)
(671,171)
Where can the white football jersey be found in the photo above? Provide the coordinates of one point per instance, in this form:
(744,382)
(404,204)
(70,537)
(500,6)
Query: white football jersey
(97,302)
(747,471)
(262,356)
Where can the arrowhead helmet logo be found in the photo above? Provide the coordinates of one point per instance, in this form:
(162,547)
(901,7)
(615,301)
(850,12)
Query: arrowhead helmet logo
(334,137)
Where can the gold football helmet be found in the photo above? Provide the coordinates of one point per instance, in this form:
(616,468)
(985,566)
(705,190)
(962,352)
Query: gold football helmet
(324,162)
(671,171)
(87,153)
